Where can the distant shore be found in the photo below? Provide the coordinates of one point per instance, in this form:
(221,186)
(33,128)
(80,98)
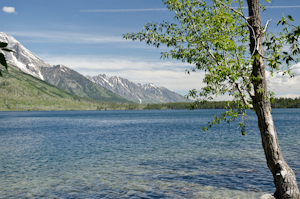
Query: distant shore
(71,105)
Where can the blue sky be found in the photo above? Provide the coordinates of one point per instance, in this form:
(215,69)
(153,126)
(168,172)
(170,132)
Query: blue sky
(86,35)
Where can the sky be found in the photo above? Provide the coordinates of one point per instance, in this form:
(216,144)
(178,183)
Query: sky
(86,35)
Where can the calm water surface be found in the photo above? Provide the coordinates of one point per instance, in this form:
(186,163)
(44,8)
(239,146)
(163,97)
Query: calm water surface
(137,154)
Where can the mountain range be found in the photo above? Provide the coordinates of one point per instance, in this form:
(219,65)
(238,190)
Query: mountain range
(77,84)
(60,76)
(100,88)
(22,58)
(147,93)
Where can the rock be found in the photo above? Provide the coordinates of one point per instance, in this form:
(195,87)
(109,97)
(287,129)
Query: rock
(267,196)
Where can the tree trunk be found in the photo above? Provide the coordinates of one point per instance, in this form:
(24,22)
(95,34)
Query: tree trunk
(284,177)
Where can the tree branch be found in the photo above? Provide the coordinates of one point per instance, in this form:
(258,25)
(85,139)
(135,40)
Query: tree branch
(266,26)
(241,7)
(194,27)
(246,19)
(243,96)
(234,10)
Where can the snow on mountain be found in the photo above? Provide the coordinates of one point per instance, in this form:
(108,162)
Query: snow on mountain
(70,80)
(147,93)
(22,58)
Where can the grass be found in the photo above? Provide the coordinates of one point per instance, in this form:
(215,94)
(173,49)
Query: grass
(22,92)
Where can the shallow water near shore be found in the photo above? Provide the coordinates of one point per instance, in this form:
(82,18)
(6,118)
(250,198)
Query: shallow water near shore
(138,154)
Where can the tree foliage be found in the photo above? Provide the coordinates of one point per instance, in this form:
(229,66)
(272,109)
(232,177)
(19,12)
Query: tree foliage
(214,37)
(3,62)
(236,52)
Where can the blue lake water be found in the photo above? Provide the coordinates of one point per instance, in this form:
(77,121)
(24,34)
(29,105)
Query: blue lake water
(138,154)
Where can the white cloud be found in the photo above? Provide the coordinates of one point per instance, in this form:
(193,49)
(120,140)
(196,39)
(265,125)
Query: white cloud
(275,7)
(293,96)
(167,73)
(162,73)
(127,10)
(68,37)
(296,6)
(80,38)
(165,9)
(9,9)
(284,86)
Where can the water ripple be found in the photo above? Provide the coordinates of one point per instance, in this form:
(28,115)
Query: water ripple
(137,154)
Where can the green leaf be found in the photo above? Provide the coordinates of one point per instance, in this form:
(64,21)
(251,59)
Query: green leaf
(290,18)
(215,40)
(3,60)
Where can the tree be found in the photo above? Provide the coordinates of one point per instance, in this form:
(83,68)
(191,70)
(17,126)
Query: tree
(215,36)
(3,62)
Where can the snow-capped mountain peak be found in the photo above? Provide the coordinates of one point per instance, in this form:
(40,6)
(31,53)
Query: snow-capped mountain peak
(147,93)
(70,80)
(22,58)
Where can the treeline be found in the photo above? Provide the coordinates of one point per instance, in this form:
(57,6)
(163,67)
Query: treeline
(22,92)
(286,103)
(277,103)
(174,105)
(188,105)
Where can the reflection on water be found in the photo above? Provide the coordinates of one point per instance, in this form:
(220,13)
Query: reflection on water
(137,154)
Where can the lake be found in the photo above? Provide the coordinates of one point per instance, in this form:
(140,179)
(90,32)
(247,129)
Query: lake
(138,154)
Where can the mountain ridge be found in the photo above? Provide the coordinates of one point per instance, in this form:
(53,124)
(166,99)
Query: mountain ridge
(66,78)
(22,58)
(115,89)
(139,93)
(21,91)
(74,82)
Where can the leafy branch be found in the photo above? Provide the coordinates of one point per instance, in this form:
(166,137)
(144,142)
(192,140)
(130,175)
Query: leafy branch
(214,38)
